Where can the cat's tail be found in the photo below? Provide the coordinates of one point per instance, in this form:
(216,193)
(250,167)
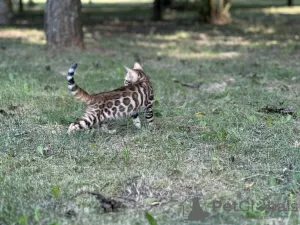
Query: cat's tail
(76,91)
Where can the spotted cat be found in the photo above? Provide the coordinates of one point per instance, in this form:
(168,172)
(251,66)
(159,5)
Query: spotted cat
(127,101)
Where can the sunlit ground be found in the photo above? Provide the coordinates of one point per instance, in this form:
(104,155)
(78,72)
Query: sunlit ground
(282,10)
(26,36)
(100,1)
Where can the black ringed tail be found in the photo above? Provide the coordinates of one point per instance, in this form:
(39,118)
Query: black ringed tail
(76,91)
(70,77)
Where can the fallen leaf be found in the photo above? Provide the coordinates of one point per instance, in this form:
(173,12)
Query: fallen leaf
(55,191)
(297,144)
(248,186)
(151,201)
(40,149)
(200,114)
(150,218)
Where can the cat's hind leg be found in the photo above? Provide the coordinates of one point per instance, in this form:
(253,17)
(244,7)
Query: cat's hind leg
(149,114)
(84,123)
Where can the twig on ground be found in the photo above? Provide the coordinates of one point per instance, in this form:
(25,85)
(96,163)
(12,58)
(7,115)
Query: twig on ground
(274,109)
(108,204)
(191,85)
(255,175)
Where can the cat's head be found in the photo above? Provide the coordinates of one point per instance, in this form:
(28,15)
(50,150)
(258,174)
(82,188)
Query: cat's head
(133,75)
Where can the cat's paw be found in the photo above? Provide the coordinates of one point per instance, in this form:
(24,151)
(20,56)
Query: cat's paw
(73,127)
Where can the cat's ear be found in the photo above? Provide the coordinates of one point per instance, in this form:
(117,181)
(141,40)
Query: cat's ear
(127,69)
(132,74)
(137,66)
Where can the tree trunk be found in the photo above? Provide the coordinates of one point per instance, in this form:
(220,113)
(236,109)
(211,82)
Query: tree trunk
(6,12)
(157,9)
(215,11)
(290,2)
(21,6)
(63,25)
(167,3)
(204,10)
(31,3)
(10,5)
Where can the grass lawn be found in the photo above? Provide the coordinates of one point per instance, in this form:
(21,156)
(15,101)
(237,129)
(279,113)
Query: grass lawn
(210,141)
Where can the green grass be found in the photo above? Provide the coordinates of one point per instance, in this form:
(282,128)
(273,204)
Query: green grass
(210,142)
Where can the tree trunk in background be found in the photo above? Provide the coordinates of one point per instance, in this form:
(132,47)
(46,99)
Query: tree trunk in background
(6,12)
(167,3)
(21,6)
(205,9)
(215,11)
(10,5)
(63,27)
(290,2)
(157,10)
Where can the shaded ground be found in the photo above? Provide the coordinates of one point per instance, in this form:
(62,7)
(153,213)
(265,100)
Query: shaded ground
(212,141)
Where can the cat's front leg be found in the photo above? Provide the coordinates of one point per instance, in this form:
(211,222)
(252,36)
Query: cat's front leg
(136,120)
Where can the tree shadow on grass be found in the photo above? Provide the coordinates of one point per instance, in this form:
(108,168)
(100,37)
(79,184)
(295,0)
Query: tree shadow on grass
(134,20)
(91,14)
